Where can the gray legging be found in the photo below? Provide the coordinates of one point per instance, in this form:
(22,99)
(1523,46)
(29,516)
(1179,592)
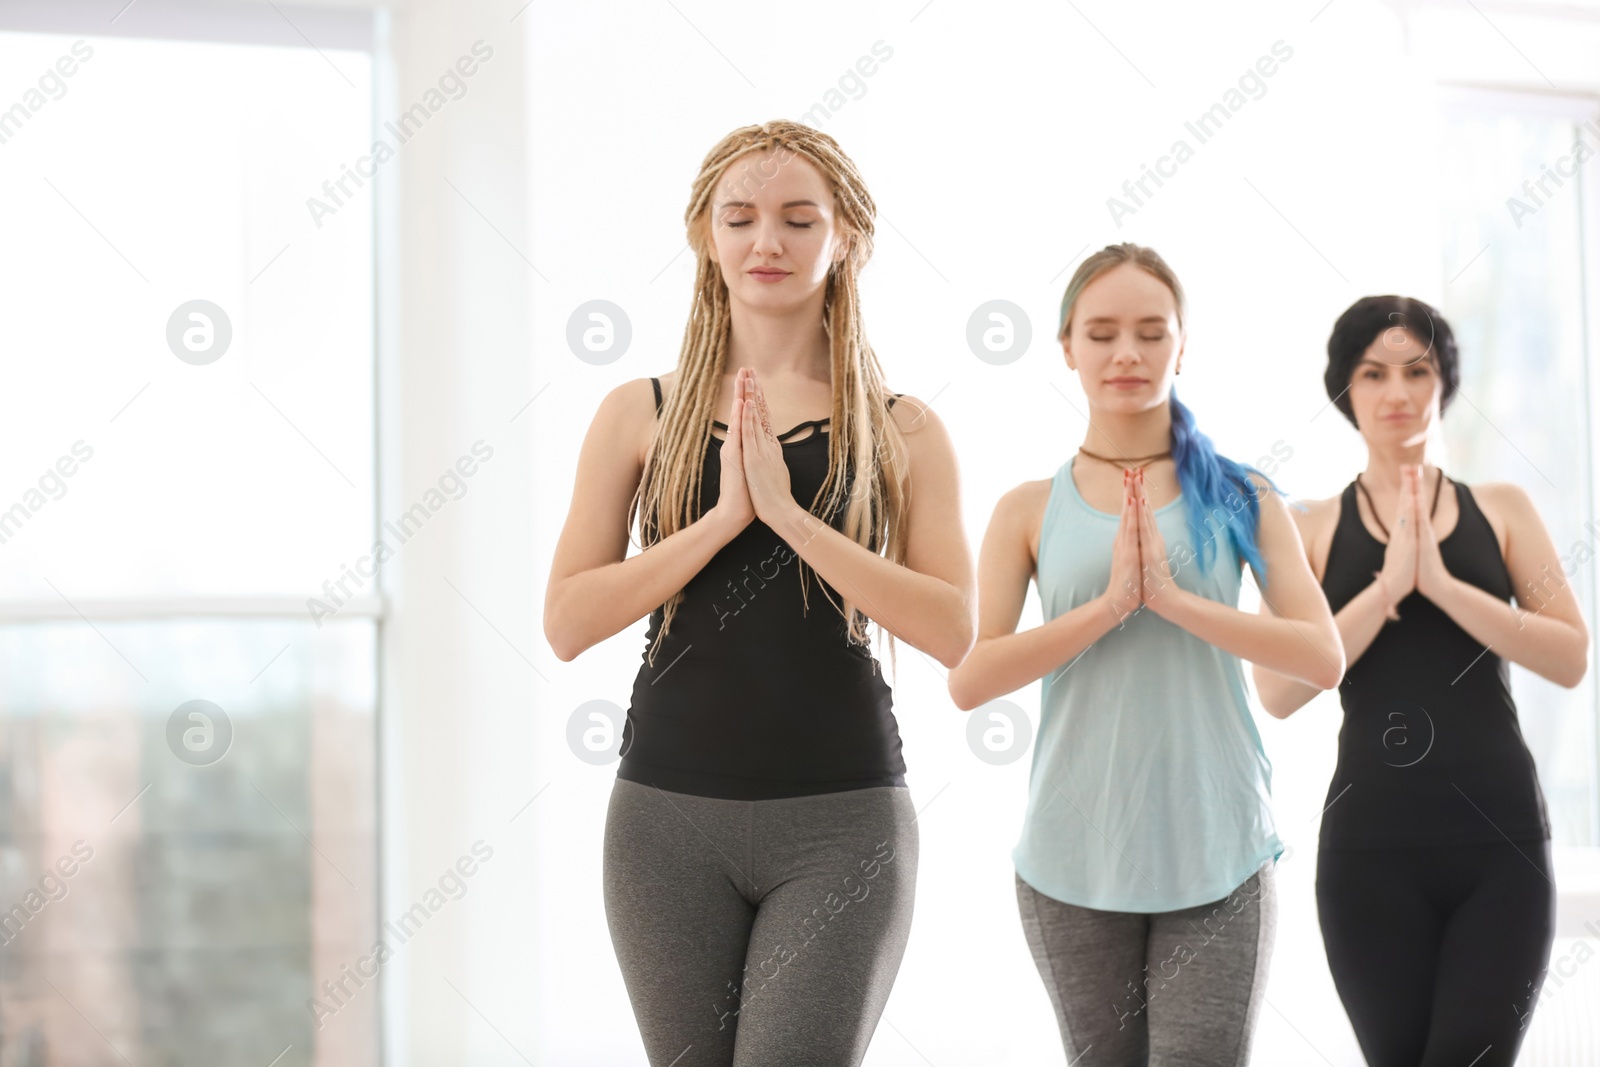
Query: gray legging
(763,932)
(1163,989)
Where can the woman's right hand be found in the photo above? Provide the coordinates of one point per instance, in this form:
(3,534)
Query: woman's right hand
(1125,590)
(733,495)
(1400,557)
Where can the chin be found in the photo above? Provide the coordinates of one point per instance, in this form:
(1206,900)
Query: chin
(1130,403)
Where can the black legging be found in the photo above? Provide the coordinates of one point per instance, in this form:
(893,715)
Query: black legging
(1438,953)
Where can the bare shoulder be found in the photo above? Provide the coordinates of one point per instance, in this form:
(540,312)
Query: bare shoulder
(927,439)
(627,405)
(1301,510)
(1504,497)
(1026,501)
(1313,519)
(629,414)
(912,414)
(1508,507)
(1020,514)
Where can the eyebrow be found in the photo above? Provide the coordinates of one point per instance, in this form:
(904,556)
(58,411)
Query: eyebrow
(1425,358)
(1107,318)
(787,203)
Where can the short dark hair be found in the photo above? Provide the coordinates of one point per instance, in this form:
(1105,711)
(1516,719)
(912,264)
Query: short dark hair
(1372,315)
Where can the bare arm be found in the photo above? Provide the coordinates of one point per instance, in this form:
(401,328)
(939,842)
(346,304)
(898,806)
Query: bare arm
(1551,641)
(1299,639)
(594,591)
(1548,635)
(1358,623)
(1003,660)
(928,602)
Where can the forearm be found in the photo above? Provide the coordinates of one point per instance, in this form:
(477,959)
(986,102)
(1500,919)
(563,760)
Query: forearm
(1358,623)
(584,609)
(1547,646)
(1005,663)
(1303,651)
(920,609)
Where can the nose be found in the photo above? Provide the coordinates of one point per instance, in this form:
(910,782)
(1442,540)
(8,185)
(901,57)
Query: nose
(1394,387)
(767,239)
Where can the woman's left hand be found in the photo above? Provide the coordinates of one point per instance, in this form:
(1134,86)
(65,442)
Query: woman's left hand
(765,473)
(1159,584)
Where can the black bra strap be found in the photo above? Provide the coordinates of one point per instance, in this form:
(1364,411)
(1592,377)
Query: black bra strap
(655,383)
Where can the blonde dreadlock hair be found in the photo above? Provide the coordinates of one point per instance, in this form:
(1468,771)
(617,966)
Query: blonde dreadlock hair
(865,445)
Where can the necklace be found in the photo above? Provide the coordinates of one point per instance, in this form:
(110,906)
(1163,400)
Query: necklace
(1436,487)
(1135,462)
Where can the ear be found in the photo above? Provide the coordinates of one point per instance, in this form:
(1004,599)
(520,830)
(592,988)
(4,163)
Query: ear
(1066,349)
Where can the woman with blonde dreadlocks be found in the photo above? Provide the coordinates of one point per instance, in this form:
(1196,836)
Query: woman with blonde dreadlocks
(760,848)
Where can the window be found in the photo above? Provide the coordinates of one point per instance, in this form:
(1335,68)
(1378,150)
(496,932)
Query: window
(188,460)
(1517,249)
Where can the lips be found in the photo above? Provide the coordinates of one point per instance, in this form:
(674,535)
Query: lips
(769,273)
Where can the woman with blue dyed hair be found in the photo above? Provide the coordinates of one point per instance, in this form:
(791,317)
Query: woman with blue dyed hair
(1144,874)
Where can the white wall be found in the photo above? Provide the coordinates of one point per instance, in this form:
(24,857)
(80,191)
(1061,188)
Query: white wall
(463,648)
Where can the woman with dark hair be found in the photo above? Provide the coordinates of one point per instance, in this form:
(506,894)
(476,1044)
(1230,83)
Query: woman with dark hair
(1434,886)
(1144,875)
(761,846)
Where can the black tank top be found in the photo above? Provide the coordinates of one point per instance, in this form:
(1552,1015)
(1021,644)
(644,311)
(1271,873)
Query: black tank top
(752,695)
(1430,751)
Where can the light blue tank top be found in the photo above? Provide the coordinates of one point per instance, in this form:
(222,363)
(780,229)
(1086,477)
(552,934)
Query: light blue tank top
(1150,790)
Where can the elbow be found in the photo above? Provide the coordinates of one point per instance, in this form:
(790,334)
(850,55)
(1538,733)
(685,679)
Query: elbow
(961,635)
(558,630)
(963,701)
(957,691)
(1581,659)
(1575,666)
(1276,708)
(565,651)
(1328,678)
(956,634)
(961,687)
(1282,696)
(1331,665)
(960,647)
